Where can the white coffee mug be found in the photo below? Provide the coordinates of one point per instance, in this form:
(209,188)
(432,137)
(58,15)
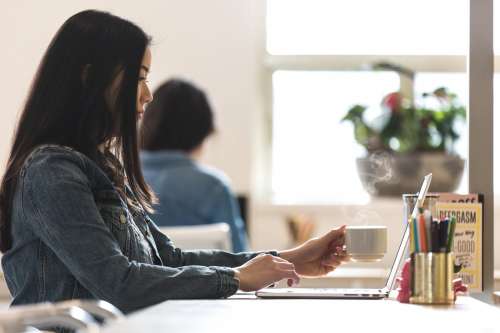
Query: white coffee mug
(366,243)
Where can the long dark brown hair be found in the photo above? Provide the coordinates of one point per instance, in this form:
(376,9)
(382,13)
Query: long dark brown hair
(67,105)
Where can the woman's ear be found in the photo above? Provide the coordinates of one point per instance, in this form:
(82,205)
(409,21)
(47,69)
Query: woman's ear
(85,73)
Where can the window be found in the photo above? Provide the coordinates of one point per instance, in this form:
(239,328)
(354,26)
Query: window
(319,55)
(314,155)
(367,27)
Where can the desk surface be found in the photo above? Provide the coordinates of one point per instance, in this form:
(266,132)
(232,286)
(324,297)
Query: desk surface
(243,313)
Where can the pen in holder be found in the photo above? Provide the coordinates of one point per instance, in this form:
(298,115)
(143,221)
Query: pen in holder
(432,278)
(432,259)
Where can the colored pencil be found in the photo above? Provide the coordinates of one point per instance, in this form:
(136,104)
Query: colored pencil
(422,233)
(435,236)
(443,234)
(415,232)
(428,219)
(451,234)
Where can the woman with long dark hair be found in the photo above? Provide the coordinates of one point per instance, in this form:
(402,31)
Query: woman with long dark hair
(73,202)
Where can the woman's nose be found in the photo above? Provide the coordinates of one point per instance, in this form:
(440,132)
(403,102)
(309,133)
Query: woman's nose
(148,97)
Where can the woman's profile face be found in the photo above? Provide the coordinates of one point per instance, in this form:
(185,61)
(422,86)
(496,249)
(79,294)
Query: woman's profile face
(143,93)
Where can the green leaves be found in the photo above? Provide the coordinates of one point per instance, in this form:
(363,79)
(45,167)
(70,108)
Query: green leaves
(411,128)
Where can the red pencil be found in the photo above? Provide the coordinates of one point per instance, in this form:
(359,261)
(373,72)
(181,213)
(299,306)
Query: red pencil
(422,233)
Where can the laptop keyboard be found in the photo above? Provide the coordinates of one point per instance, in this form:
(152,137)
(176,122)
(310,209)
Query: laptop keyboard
(349,291)
(357,291)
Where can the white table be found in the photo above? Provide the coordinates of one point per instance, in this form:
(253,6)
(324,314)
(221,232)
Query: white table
(244,313)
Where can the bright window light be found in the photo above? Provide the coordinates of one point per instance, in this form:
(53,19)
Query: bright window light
(314,154)
(367,27)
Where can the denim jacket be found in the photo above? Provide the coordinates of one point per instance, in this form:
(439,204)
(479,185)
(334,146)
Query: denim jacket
(74,237)
(191,194)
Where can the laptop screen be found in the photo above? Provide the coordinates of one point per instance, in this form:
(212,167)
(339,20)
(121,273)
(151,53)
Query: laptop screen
(406,235)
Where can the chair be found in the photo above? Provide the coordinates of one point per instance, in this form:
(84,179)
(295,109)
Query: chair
(204,236)
(74,315)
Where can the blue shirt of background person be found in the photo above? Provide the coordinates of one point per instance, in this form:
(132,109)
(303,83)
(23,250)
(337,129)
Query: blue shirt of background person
(174,129)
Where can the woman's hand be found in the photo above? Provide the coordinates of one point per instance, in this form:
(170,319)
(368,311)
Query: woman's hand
(318,256)
(264,270)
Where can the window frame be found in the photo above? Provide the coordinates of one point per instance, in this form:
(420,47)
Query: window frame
(417,63)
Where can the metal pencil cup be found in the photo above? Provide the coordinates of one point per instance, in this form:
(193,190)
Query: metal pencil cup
(432,278)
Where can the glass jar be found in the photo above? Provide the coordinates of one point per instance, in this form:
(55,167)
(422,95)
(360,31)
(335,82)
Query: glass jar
(409,201)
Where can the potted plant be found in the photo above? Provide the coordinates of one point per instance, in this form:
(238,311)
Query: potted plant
(407,141)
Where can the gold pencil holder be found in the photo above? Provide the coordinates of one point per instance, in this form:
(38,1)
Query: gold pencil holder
(432,278)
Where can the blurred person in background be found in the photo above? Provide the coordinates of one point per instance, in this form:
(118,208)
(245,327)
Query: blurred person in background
(175,128)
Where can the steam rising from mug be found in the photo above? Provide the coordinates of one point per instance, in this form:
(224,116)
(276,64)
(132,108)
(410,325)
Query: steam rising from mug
(380,164)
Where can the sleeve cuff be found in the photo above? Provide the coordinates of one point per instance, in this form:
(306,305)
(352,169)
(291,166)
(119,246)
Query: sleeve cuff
(228,284)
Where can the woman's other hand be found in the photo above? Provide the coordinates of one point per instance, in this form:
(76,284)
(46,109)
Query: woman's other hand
(318,256)
(264,270)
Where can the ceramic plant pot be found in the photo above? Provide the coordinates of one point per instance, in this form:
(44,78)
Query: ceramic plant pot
(384,174)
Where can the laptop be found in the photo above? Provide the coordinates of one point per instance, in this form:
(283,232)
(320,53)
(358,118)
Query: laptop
(355,293)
